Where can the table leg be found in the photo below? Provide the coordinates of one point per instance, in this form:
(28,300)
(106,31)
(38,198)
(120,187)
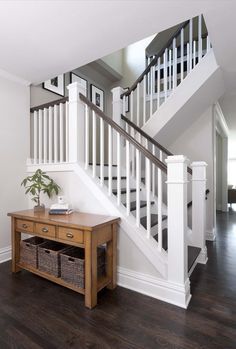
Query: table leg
(16,238)
(90,270)
(112,258)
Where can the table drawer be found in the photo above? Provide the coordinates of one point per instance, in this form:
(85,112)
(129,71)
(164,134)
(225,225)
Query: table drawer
(74,235)
(24,226)
(45,230)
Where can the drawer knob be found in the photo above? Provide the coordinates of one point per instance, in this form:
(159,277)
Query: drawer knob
(45,230)
(70,235)
(24,226)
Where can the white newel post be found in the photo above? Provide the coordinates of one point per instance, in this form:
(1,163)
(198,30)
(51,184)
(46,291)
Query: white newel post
(76,122)
(199,208)
(177,226)
(117,108)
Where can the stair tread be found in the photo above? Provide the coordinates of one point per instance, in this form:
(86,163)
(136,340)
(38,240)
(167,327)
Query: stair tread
(142,204)
(123,191)
(193,252)
(154,220)
(90,164)
(114,178)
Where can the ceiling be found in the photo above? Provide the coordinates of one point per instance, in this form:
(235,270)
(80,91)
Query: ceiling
(41,39)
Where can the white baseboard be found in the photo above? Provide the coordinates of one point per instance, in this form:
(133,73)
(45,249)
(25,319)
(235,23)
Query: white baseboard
(154,287)
(210,235)
(5,254)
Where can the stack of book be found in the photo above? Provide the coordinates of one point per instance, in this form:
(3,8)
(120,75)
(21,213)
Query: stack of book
(60,209)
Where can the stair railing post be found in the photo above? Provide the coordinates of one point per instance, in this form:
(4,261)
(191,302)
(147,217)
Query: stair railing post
(76,123)
(177,226)
(117,109)
(198,237)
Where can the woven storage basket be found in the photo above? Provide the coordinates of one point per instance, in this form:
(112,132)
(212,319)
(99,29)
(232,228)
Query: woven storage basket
(73,265)
(29,251)
(49,257)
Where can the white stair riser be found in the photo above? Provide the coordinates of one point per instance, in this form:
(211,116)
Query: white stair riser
(143,211)
(114,183)
(106,169)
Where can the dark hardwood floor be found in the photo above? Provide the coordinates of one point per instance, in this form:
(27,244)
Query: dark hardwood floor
(35,313)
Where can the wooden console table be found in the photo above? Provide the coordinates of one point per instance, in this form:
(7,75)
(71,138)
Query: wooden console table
(78,229)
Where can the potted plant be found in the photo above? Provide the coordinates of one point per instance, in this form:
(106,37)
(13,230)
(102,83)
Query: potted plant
(39,183)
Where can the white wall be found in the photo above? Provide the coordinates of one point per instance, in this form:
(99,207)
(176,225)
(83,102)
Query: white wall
(197,144)
(115,61)
(218,171)
(134,61)
(14,136)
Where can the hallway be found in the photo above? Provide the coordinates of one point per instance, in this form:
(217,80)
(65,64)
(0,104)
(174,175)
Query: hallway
(37,314)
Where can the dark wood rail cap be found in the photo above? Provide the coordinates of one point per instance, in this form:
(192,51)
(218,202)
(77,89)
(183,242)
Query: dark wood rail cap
(154,61)
(144,134)
(49,104)
(122,132)
(150,139)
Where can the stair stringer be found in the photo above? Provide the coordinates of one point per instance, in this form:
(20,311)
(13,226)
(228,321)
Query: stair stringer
(148,247)
(200,89)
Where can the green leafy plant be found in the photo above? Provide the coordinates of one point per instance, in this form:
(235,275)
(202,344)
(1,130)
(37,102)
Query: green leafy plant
(39,183)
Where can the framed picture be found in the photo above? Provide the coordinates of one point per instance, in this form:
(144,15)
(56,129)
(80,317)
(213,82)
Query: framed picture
(76,78)
(97,97)
(56,85)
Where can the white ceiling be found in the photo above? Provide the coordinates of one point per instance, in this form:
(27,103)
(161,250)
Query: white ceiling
(41,39)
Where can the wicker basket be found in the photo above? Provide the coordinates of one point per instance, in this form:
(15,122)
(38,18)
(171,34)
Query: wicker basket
(73,265)
(29,251)
(49,257)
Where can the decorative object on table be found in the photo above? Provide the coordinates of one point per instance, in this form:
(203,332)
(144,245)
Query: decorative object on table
(76,78)
(126,101)
(97,97)
(56,85)
(39,183)
(61,207)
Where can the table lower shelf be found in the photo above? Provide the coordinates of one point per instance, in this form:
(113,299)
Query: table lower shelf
(103,281)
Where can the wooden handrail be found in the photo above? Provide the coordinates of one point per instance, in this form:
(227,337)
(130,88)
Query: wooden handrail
(144,134)
(122,132)
(150,139)
(49,104)
(154,61)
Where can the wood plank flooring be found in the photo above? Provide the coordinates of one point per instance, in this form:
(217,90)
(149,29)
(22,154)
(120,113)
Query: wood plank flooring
(35,313)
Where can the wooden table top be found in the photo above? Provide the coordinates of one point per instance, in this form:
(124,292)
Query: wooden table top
(81,220)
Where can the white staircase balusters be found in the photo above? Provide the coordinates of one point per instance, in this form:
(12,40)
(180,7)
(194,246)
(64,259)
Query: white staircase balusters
(101,151)
(118,168)
(144,99)
(94,143)
(40,135)
(35,137)
(138,180)
(45,135)
(148,190)
(159,195)
(172,65)
(165,73)
(190,43)
(182,54)
(50,134)
(199,38)
(86,137)
(66,133)
(110,161)
(61,131)
(127,177)
(153,173)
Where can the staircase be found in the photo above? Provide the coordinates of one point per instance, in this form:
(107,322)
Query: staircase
(131,174)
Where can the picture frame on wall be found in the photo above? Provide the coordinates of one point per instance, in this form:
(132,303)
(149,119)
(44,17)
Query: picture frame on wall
(97,96)
(76,78)
(56,85)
